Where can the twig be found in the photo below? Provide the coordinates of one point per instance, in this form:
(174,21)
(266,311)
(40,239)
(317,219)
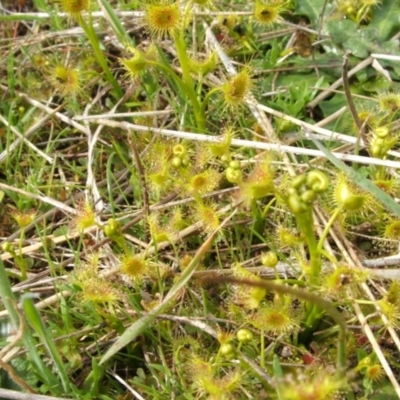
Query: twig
(11,394)
(258,145)
(346,86)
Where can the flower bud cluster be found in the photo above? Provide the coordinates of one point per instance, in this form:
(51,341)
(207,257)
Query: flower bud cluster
(113,231)
(234,173)
(181,158)
(381,142)
(304,190)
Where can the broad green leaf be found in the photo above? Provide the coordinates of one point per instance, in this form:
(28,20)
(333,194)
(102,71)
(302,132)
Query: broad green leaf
(311,9)
(345,33)
(386,19)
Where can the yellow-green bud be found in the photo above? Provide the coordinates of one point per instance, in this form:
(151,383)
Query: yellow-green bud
(235,164)
(112,228)
(227,350)
(179,150)
(7,246)
(244,335)
(176,162)
(298,181)
(308,196)
(233,175)
(269,259)
(317,181)
(381,132)
(296,205)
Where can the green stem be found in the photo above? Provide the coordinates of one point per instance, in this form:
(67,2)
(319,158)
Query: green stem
(93,39)
(207,97)
(188,81)
(305,224)
(327,228)
(313,311)
(19,259)
(262,351)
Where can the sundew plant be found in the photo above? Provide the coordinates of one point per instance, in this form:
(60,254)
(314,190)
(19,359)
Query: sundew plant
(199,199)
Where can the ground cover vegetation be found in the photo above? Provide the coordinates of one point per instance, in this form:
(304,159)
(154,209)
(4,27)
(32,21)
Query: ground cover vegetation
(199,199)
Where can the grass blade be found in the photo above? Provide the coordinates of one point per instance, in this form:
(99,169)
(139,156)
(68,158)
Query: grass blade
(35,320)
(9,300)
(143,323)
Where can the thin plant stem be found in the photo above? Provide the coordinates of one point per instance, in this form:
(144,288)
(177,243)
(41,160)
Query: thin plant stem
(327,228)
(93,39)
(187,79)
(262,350)
(312,298)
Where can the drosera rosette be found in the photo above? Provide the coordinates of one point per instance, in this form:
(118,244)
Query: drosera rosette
(260,181)
(389,185)
(390,304)
(221,148)
(278,317)
(349,197)
(390,229)
(134,268)
(311,384)
(158,166)
(201,183)
(135,64)
(288,238)
(236,90)
(389,102)
(85,217)
(202,66)
(220,388)
(23,217)
(159,231)
(76,9)
(93,287)
(244,296)
(342,282)
(67,80)
(371,370)
(268,12)
(165,18)
(208,382)
(207,214)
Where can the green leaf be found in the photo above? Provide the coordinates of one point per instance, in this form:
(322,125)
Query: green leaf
(34,318)
(311,9)
(277,368)
(386,19)
(9,302)
(347,36)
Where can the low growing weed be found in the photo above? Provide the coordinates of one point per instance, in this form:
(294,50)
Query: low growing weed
(199,199)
